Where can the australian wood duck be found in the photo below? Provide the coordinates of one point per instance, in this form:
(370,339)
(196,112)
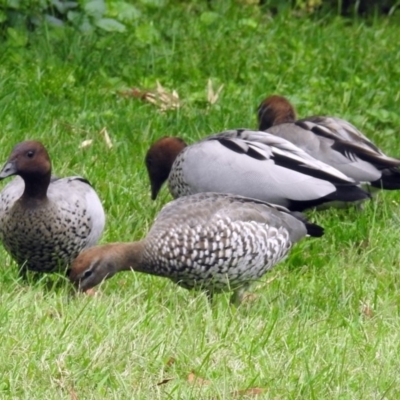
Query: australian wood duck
(248,163)
(332,140)
(45,222)
(215,242)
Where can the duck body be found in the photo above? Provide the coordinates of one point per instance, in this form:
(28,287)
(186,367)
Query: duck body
(324,149)
(215,242)
(45,233)
(259,165)
(333,141)
(212,241)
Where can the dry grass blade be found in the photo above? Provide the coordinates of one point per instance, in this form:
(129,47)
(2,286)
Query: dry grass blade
(86,143)
(106,137)
(212,97)
(164,381)
(160,97)
(265,283)
(73,394)
(248,392)
(366,310)
(170,362)
(250,297)
(74,128)
(193,378)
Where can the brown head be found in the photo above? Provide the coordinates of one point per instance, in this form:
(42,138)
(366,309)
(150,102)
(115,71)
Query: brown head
(159,159)
(91,267)
(99,263)
(31,161)
(275,110)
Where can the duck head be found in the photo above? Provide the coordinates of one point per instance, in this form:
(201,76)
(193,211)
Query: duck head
(31,161)
(275,110)
(27,158)
(96,264)
(159,159)
(90,268)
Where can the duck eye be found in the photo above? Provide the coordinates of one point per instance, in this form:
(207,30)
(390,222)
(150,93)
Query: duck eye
(87,273)
(30,153)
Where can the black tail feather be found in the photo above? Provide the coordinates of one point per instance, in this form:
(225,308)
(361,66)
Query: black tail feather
(348,193)
(343,194)
(390,180)
(312,229)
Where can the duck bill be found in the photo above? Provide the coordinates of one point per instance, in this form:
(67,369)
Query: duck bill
(9,169)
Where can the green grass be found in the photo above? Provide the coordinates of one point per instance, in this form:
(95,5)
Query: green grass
(325,323)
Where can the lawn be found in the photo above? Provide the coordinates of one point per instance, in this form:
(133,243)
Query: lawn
(323,324)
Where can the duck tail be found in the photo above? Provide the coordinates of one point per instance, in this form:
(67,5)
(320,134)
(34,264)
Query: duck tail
(349,193)
(390,179)
(313,230)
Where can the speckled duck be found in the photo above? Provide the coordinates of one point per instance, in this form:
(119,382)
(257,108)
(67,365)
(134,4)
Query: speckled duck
(45,222)
(215,242)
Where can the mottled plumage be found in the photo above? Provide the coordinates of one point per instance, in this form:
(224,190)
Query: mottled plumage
(252,164)
(208,241)
(333,141)
(45,222)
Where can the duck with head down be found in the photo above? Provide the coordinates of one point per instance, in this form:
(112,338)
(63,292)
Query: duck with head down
(45,222)
(210,241)
(331,140)
(251,164)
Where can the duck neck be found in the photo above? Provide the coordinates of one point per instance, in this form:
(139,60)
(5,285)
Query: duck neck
(283,119)
(36,186)
(129,256)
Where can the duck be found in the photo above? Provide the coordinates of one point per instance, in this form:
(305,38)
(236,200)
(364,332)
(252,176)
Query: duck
(209,241)
(46,221)
(333,141)
(248,163)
